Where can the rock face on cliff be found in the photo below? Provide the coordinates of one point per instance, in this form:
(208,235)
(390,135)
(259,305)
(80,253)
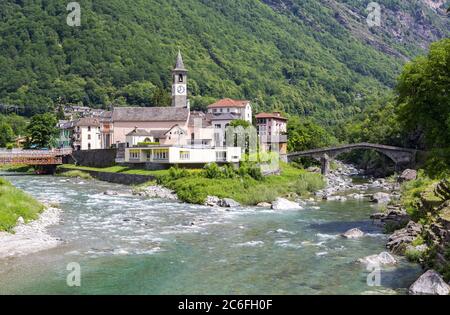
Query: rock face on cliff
(399,241)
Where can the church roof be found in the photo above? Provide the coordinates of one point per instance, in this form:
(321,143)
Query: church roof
(140,133)
(149,114)
(180,64)
(228,102)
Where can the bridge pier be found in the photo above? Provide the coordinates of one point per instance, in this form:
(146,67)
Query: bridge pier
(325,162)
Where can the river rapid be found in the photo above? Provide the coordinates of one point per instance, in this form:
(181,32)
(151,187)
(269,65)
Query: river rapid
(126,244)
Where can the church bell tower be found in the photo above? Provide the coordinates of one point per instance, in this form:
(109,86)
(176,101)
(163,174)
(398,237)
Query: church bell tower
(179,85)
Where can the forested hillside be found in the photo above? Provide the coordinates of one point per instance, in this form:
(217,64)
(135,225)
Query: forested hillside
(305,57)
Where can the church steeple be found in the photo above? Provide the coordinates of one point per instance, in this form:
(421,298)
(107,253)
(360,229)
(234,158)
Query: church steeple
(180,64)
(179,85)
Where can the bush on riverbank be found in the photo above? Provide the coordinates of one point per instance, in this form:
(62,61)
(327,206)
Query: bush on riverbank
(195,186)
(76,174)
(19,168)
(14,204)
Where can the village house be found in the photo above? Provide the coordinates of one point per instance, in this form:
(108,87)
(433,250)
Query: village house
(86,134)
(224,111)
(272,130)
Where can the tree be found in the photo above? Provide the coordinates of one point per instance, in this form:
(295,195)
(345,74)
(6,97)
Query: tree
(240,122)
(161,98)
(424,95)
(6,134)
(41,130)
(304,134)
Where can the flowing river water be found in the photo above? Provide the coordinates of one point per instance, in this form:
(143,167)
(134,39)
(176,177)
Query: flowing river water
(131,245)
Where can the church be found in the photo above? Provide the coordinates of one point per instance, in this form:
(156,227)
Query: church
(163,136)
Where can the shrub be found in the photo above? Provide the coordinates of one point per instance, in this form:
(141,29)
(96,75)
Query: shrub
(76,174)
(176,173)
(213,171)
(413,255)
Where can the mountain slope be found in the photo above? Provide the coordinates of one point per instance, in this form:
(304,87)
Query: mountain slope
(304,61)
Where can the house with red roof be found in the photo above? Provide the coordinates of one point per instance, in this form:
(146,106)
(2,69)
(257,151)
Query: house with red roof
(272,131)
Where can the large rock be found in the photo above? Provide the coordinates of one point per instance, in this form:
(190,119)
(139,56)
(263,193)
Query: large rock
(399,241)
(353,233)
(381,198)
(394,217)
(381,259)
(229,203)
(430,283)
(408,175)
(212,201)
(264,205)
(284,204)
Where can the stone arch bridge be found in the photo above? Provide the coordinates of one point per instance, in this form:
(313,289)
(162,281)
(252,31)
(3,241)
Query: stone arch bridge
(402,157)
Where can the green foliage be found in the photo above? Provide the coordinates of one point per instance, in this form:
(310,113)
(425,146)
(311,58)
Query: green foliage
(42,129)
(123,52)
(213,171)
(304,134)
(411,196)
(146,144)
(14,204)
(6,134)
(245,189)
(76,174)
(423,95)
(413,255)
(240,122)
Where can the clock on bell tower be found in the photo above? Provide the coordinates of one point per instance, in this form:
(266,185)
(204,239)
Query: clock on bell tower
(179,85)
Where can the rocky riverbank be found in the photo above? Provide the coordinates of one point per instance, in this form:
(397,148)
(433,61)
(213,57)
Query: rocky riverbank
(422,234)
(32,237)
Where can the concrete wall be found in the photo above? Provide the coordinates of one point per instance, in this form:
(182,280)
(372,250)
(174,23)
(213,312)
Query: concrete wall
(117,178)
(93,158)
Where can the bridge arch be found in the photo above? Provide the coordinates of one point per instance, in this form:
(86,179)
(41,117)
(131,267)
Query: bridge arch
(402,157)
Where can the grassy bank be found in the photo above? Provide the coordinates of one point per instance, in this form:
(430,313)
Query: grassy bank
(115,169)
(14,204)
(244,185)
(195,186)
(18,168)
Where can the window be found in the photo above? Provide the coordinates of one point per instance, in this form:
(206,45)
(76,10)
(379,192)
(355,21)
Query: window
(89,137)
(221,155)
(89,146)
(218,126)
(89,128)
(161,154)
(135,155)
(99,137)
(181,78)
(185,155)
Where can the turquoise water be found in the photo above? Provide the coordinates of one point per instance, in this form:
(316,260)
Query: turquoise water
(130,245)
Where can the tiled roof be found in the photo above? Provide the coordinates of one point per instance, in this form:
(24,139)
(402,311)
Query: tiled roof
(140,114)
(88,121)
(225,116)
(205,119)
(270,115)
(228,102)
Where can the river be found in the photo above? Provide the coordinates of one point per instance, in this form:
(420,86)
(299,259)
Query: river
(130,245)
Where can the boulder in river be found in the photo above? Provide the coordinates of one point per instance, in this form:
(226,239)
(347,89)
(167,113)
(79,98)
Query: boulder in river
(353,233)
(284,204)
(111,193)
(229,203)
(212,201)
(264,205)
(399,241)
(430,283)
(408,175)
(381,197)
(381,259)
